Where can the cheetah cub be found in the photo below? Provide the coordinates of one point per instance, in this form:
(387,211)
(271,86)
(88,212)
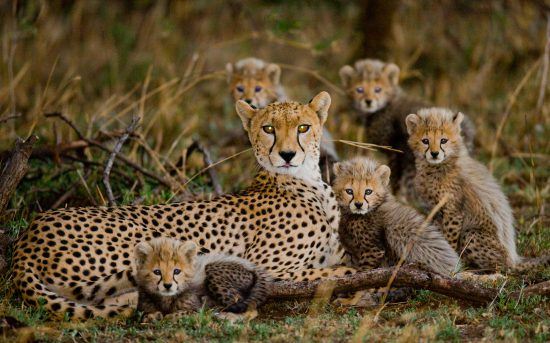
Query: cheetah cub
(477,219)
(375,228)
(373,88)
(259,84)
(173,280)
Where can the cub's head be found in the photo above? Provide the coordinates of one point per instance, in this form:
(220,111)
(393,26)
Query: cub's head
(360,184)
(165,266)
(371,84)
(254,81)
(286,136)
(434,134)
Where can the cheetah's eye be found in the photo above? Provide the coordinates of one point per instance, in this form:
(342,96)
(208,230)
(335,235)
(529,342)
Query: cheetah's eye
(268,129)
(240,89)
(426,141)
(257,89)
(177,271)
(444,140)
(156,272)
(349,191)
(377,89)
(360,90)
(368,191)
(303,128)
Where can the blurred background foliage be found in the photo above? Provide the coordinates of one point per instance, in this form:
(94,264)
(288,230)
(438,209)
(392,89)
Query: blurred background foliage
(100,62)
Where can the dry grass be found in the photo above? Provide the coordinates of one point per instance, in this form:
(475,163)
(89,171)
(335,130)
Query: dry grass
(101,63)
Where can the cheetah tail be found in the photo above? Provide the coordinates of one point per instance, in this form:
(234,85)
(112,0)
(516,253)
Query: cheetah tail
(35,293)
(256,297)
(527,264)
(429,250)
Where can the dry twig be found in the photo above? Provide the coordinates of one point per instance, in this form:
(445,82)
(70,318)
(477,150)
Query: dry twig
(197,146)
(9,117)
(545,63)
(116,150)
(95,143)
(14,169)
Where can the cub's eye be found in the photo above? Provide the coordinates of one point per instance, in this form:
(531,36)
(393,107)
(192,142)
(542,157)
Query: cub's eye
(349,191)
(444,140)
(268,129)
(360,90)
(426,141)
(368,191)
(303,128)
(377,89)
(156,272)
(240,89)
(177,271)
(257,89)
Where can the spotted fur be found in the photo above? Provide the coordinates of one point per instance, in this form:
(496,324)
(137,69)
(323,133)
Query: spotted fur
(81,259)
(477,220)
(375,228)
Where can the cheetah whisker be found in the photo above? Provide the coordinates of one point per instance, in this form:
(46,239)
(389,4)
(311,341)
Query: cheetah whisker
(368,146)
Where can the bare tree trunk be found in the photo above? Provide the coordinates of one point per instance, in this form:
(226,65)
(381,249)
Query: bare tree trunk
(375,26)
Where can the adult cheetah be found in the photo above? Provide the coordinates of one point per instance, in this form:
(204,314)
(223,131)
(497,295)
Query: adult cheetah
(79,260)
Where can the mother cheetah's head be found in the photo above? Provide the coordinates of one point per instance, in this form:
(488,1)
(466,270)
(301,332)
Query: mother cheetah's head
(286,136)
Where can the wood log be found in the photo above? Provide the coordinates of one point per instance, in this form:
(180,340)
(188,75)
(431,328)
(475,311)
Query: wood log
(406,277)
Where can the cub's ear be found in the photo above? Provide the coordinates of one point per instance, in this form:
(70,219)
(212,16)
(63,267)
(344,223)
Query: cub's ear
(347,73)
(391,71)
(383,172)
(229,71)
(273,72)
(337,168)
(320,104)
(458,118)
(188,250)
(245,112)
(412,122)
(141,250)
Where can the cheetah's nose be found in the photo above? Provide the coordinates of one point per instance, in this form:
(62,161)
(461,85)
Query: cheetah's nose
(249,101)
(368,102)
(167,285)
(287,155)
(358,204)
(434,153)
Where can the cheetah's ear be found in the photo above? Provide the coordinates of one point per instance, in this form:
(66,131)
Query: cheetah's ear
(337,168)
(383,172)
(229,71)
(412,122)
(457,119)
(188,250)
(320,104)
(273,72)
(245,112)
(141,251)
(347,73)
(391,71)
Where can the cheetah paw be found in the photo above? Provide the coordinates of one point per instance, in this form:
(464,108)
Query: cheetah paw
(152,317)
(235,317)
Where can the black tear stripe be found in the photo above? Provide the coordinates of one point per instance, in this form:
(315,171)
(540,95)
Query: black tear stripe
(441,147)
(274,142)
(298,139)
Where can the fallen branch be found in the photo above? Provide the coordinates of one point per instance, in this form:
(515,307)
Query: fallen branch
(9,117)
(123,158)
(405,277)
(14,169)
(111,160)
(197,146)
